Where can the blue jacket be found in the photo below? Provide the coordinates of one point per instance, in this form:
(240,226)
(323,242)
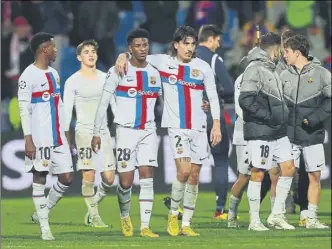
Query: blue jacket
(224,82)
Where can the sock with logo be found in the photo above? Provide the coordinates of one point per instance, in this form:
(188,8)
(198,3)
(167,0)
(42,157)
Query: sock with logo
(254,198)
(40,202)
(283,187)
(176,195)
(146,201)
(102,190)
(88,193)
(189,203)
(55,194)
(124,198)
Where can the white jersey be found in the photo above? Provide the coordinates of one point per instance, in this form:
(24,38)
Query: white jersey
(132,98)
(83,94)
(238,137)
(41,107)
(183,86)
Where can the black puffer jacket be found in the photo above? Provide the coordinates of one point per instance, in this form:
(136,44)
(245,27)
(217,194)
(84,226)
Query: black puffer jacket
(261,98)
(308,96)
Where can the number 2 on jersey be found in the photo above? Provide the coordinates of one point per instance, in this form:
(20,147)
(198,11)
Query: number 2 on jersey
(178,142)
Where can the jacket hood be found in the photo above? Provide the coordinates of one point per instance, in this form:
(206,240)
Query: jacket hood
(262,56)
(245,61)
(314,60)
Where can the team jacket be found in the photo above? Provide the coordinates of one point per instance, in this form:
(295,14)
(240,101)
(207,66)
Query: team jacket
(308,96)
(265,112)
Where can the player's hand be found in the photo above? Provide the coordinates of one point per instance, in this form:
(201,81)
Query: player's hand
(205,106)
(95,144)
(30,148)
(215,136)
(305,121)
(121,65)
(73,150)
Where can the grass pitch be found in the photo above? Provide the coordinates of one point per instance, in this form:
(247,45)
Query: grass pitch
(70,232)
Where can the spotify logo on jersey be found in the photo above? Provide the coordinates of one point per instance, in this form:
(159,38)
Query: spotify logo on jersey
(172,79)
(132,92)
(46,96)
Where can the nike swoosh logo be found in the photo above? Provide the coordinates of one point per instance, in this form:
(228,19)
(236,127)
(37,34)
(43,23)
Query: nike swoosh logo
(44,84)
(151,161)
(172,68)
(129,80)
(201,159)
(320,165)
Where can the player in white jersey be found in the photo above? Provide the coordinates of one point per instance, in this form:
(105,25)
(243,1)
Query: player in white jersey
(42,118)
(83,91)
(133,100)
(184,78)
(243,165)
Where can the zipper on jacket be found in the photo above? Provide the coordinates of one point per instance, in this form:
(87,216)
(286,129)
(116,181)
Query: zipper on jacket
(297,94)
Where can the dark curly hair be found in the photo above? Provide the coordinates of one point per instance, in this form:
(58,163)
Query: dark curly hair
(180,35)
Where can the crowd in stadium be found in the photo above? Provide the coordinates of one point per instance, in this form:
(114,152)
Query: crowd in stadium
(74,21)
(118,63)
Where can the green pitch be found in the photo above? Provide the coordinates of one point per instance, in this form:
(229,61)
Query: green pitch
(70,232)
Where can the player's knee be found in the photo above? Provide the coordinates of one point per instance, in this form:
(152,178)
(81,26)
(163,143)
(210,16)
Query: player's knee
(287,168)
(89,175)
(109,180)
(39,177)
(183,175)
(314,179)
(125,185)
(66,179)
(87,188)
(274,172)
(243,179)
(257,175)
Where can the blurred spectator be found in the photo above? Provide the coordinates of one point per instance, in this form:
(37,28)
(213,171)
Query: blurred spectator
(206,12)
(324,9)
(161,23)
(249,31)
(328,59)
(246,9)
(74,37)
(9,11)
(14,114)
(30,10)
(282,24)
(99,20)
(55,20)
(15,55)
(299,15)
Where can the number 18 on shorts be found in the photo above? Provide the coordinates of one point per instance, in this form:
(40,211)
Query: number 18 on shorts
(260,155)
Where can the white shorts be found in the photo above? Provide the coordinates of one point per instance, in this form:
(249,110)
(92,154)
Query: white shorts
(189,143)
(314,157)
(263,154)
(56,160)
(101,161)
(242,157)
(135,148)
